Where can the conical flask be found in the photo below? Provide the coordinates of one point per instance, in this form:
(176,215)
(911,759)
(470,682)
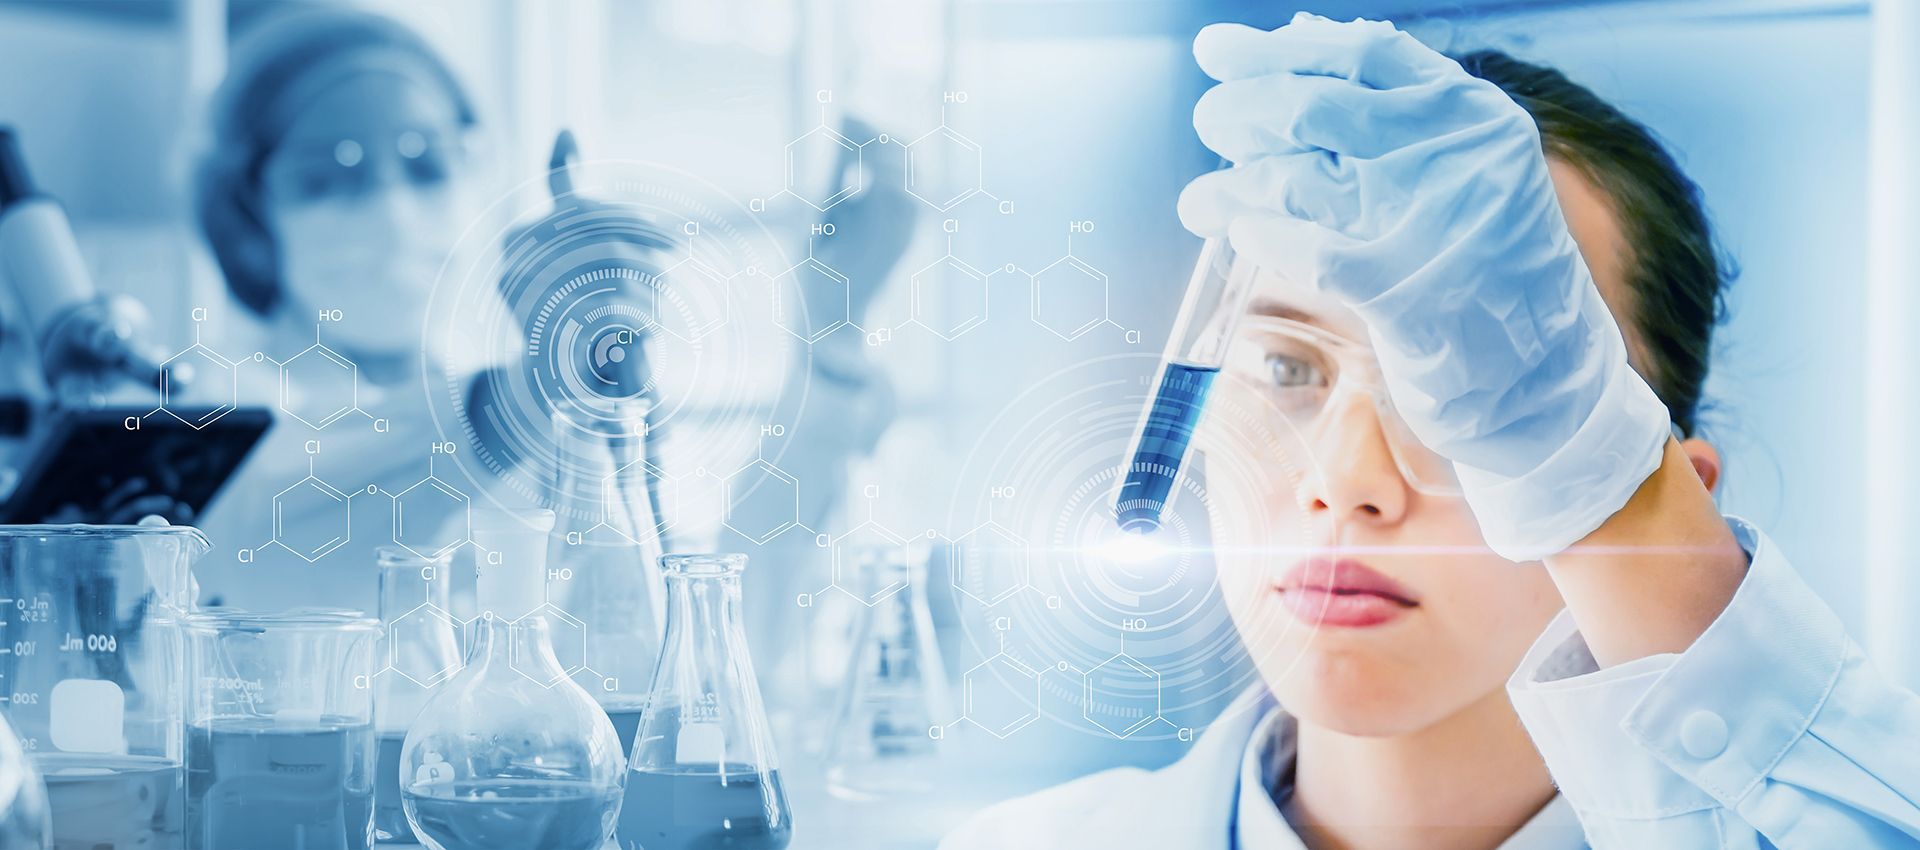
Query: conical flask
(603,555)
(511,753)
(895,689)
(26,821)
(703,772)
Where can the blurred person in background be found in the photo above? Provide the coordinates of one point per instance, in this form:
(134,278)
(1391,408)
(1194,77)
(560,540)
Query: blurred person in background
(339,176)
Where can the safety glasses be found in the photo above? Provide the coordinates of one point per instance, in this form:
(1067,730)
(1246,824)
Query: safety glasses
(352,168)
(1312,378)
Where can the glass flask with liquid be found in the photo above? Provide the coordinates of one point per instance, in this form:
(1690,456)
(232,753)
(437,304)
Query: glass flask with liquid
(895,689)
(419,650)
(605,550)
(511,753)
(703,772)
(94,673)
(25,821)
(280,729)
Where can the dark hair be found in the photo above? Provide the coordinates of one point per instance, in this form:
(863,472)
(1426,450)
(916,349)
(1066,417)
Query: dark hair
(248,120)
(1677,282)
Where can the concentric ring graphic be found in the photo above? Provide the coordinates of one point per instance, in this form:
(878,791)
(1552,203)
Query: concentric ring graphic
(1128,636)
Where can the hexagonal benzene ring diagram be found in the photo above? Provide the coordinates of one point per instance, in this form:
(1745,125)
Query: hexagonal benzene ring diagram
(421,646)
(761,501)
(204,365)
(439,521)
(1127,692)
(318,386)
(1069,297)
(948,297)
(823,145)
(569,638)
(324,518)
(996,693)
(631,480)
(866,536)
(995,558)
(811,300)
(675,309)
(943,168)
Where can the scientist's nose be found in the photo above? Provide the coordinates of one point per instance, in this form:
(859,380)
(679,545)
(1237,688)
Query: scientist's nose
(1355,478)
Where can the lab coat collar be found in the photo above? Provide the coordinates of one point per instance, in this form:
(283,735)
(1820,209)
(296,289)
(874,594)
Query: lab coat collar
(1268,756)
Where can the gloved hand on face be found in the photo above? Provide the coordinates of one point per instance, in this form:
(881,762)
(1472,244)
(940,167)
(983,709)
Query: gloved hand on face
(1371,167)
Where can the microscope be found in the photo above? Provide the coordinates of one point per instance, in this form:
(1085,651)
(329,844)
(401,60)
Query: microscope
(76,443)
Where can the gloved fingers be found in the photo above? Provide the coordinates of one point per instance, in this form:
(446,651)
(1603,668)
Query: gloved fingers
(1296,249)
(1318,186)
(1372,53)
(1281,113)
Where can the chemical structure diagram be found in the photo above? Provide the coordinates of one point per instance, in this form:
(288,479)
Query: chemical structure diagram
(1068,297)
(316,387)
(1002,694)
(326,514)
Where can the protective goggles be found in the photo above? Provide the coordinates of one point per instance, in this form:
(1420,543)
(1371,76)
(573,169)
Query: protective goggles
(1311,377)
(353,168)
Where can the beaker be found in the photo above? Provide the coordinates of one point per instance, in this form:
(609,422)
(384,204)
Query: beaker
(92,665)
(703,772)
(511,753)
(895,688)
(25,821)
(602,560)
(419,650)
(280,729)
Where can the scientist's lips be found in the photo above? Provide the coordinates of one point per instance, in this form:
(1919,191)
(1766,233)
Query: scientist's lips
(1343,593)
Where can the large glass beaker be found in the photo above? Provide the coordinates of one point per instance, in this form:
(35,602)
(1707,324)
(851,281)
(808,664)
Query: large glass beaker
(280,730)
(92,665)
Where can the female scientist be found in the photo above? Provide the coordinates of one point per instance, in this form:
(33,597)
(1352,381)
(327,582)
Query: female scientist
(338,178)
(1445,249)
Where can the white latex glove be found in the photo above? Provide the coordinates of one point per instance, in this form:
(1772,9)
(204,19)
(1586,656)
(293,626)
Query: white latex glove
(1373,168)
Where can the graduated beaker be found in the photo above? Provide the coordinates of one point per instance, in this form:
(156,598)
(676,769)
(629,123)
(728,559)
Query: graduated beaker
(92,668)
(280,730)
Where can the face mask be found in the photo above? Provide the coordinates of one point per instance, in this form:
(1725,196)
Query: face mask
(373,257)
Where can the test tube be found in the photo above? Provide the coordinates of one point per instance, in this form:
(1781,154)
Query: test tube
(1216,298)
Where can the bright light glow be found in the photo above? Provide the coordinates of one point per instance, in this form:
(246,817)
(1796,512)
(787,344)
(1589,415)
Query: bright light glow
(1129,547)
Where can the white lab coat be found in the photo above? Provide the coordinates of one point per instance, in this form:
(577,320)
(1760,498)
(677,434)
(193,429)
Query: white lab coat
(1771,731)
(1214,797)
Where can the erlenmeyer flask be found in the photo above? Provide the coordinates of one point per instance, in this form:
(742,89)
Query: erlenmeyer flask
(895,689)
(25,820)
(511,754)
(605,548)
(419,651)
(703,772)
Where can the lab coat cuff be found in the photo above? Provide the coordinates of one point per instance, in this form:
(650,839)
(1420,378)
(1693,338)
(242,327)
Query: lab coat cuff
(1735,702)
(1580,486)
(1576,717)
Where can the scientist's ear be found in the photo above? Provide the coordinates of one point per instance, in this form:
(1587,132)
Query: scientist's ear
(1706,460)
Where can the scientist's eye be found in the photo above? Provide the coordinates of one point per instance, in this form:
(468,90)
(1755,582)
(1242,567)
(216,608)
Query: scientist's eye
(429,168)
(1291,372)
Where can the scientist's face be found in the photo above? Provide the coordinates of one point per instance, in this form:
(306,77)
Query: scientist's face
(1391,614)
(364,201)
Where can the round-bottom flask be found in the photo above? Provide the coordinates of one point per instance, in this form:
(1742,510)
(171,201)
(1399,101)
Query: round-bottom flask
(511,754)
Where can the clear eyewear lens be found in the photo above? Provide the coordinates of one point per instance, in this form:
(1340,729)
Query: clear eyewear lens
(1303,373)
(352,168)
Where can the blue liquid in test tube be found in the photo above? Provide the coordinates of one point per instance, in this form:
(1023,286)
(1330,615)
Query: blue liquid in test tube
(1162,445)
